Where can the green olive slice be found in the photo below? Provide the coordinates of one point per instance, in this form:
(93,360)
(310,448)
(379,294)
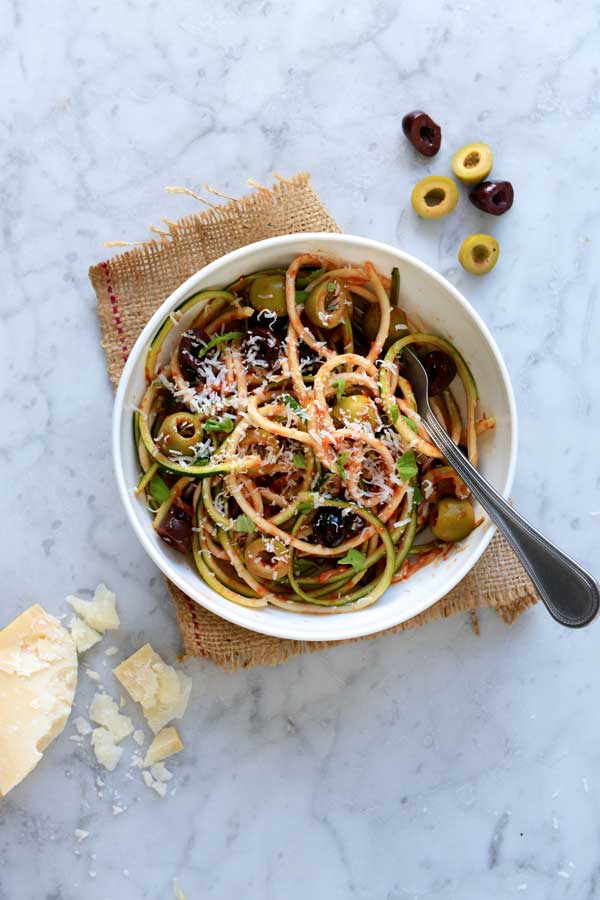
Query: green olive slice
(267,559)
(452,520)
(479,253)
(434,197)
(355,408)
(268,293)
(179,432)
(327,304)
(472,163)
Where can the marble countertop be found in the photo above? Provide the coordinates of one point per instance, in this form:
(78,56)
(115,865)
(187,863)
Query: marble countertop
(431,765)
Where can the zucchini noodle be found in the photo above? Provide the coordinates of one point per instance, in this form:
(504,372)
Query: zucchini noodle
(279,442)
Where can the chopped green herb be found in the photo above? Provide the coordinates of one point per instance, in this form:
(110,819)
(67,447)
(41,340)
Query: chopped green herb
(340,386)
(244,524)
(301,297)
(406,465)
(159,489)
(418,495)
(228,336)
(411,423)
(394,413)
(330,287)
(354,558)
(304,508)
(340,464)
(293,404)
(299,460)
(227,423)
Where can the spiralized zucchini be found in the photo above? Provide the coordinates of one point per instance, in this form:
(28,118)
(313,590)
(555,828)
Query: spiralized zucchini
(279,443)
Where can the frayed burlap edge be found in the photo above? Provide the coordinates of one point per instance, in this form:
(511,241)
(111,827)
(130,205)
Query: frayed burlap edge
(129,289)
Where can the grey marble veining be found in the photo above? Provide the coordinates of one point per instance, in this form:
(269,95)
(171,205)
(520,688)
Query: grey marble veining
(432,765)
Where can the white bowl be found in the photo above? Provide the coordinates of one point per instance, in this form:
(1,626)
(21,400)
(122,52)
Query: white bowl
(444,310)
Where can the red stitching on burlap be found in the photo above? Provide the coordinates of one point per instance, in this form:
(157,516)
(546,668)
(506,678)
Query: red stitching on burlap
(116,312)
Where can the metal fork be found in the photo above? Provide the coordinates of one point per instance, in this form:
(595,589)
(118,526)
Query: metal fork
(571,595)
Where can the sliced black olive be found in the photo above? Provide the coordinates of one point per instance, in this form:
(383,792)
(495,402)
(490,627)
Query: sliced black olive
(190,346)
(424,134)
(441,371)
(331,527)
(310,362)
(261,347)
(176,527)
(493,197)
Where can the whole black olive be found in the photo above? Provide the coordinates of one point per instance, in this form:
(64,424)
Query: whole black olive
(331,527)
(261,347)
(493,197)
(424,134)
(441,371)
(176,527)
(190,346)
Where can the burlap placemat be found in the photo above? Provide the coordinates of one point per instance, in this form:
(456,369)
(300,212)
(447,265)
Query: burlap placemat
(132,285)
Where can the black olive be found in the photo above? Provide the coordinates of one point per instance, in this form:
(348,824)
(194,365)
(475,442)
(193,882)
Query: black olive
(265,320)
(331,527)
(493,197)
(441,371)
(176,527)
(263,346)
(310,361)
(424,134)
(190,346)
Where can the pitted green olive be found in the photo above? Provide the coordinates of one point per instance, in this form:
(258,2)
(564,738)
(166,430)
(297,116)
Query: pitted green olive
(473,163)
(270,562)
(452,520)
(355,408)
(268,292)
(327,304)
(479,253)
(179,432)
(398,324)
(434,197)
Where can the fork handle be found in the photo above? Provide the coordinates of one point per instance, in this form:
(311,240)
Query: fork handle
(571,595)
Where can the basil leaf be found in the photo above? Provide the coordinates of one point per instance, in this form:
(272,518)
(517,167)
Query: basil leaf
(340,386)
(226,424)
(340,464)
(354,558)
(406,465)
(293,404)
(159,489)
(411,423)
(244,524)
(418,495)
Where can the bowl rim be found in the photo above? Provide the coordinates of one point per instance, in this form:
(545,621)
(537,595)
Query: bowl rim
(342,627)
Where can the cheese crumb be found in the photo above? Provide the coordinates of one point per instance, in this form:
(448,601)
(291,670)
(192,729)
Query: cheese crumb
(139,737)
(82,725)
(162,691)
(111,651)
(160,772)
(104,711)
(92,674)
(99,613)
(81,835)
(159,786)
(105,749)
(165,744)
(117,810)
(84,636)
